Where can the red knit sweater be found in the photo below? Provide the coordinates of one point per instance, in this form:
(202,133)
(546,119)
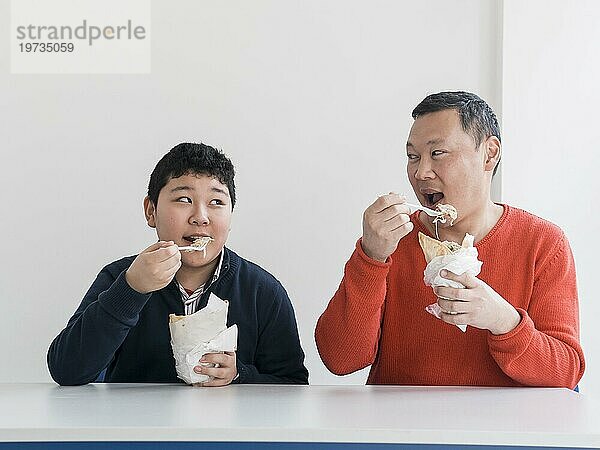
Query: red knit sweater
(377,316)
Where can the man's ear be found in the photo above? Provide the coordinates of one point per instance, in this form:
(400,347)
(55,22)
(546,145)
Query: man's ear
(150,212)
(493,150)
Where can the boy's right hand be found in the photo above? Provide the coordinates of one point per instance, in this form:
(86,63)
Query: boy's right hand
(154,267)
(385,222)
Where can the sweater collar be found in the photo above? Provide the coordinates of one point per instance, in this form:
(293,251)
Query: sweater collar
(223,269)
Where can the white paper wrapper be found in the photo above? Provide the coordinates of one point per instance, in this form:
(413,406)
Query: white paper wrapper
(464,260)
(203,332)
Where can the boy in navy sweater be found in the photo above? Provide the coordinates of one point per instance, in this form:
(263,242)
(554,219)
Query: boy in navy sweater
(122,325)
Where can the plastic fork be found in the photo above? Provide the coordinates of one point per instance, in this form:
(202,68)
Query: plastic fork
(428,211)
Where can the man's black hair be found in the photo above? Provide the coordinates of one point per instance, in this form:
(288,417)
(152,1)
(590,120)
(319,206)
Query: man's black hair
(476,116)
(192,159)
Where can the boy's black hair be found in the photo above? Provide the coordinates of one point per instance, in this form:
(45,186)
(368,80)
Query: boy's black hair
(192,159)
(476,116)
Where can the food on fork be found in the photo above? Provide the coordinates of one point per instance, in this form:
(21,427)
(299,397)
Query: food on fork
(199,244)
(202,242)
(448,212)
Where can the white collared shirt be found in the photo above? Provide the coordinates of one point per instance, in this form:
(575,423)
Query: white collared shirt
(190,301)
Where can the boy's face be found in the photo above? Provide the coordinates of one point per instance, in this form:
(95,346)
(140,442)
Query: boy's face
(190,207)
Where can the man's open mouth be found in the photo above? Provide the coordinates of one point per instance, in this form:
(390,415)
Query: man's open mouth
(192,238)
(432,198)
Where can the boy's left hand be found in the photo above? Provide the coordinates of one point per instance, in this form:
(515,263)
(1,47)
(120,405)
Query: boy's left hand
(224,372)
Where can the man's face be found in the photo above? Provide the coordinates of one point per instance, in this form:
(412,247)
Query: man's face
(190,207)
(445,166)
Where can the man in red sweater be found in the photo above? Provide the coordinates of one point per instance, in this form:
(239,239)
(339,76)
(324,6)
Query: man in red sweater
(521,310)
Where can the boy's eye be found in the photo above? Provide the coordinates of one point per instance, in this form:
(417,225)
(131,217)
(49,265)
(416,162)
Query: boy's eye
(216,201)
(184,200)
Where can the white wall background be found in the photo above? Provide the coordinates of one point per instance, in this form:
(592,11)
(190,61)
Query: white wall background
(312,102)
(551,96)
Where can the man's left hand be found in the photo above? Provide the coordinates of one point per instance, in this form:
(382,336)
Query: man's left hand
(477,305)
(221,366)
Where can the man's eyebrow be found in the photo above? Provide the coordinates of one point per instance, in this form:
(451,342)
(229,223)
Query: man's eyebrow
(428,143)
(434,141)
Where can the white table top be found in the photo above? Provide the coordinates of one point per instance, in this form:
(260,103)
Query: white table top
(380,414)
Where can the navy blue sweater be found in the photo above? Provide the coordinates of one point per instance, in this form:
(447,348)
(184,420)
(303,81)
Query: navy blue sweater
(117,328)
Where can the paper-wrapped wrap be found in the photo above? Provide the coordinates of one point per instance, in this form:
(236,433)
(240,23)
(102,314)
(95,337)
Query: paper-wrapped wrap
(203,332)
(455,258)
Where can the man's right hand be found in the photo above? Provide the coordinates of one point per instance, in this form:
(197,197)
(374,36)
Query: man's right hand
(154,267)
(385,222)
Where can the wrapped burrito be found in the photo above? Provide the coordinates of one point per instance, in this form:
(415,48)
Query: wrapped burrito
(454,257)
(203,332)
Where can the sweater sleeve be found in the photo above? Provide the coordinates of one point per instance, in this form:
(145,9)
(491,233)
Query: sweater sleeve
(279,357)
(347,333)
(544,349)
(88,343)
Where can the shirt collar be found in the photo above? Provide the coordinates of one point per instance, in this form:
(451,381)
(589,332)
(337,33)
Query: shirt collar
(201,289)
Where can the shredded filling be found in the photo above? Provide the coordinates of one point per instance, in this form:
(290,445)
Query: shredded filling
(448,213)
(202,243)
